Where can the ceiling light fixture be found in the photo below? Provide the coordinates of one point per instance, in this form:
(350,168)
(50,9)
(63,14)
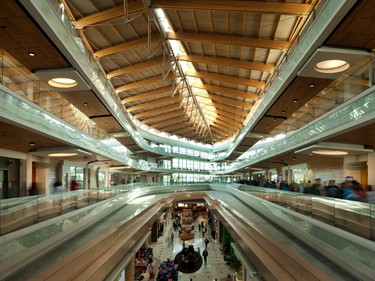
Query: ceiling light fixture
(330,62)
(335,149)
(332,66)
(62,82)
(62,154)
(31,143)
(63,79)
(59,152)
(330,152)
(31,54)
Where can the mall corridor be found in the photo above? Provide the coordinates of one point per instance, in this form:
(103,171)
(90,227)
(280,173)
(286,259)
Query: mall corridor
(214,268)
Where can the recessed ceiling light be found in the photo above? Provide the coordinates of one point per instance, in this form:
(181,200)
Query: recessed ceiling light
(283,112)
(62,154)
(62,79)
(330,152)
(31,54)
(62,82)
(312,85)
(295,100)
(31,143)
(331,66)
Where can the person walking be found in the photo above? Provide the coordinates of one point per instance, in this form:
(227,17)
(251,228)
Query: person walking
(172,236)
(206,241)
(205,255)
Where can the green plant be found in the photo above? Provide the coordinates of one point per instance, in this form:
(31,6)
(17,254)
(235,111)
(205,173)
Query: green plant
(235,263)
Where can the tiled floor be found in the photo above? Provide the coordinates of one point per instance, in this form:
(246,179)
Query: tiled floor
(215,267)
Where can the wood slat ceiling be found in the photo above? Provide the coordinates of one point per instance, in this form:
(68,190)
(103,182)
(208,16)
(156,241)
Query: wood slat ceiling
(233,46)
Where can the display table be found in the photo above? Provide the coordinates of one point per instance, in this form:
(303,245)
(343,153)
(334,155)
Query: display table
(187,236)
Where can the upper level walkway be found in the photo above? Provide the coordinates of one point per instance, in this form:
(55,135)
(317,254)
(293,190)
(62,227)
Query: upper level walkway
(269,238)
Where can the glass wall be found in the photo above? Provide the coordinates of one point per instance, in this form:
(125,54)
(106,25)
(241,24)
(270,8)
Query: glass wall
(187,164)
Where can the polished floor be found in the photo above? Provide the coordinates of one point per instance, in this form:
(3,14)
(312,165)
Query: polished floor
(215,266)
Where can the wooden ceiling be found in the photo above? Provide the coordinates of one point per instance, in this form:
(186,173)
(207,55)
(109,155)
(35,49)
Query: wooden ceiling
(233,48)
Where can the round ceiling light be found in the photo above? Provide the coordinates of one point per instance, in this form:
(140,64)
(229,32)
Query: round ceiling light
(62,82)
(62,154)
(330,152)
(331,66)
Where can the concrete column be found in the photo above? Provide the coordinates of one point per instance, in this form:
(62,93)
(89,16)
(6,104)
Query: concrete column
(371,169)
(289,174)
(26,167)
(129,270)
(42,180)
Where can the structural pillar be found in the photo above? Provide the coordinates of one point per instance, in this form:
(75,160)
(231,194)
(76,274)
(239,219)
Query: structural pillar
(129,270)
(371,169)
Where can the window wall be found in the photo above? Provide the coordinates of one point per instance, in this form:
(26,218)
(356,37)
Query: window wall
(187,164)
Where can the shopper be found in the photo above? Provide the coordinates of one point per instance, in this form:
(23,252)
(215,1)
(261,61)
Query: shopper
(205,255)
(206,241)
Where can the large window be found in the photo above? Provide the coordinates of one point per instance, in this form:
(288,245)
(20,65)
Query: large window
(78,174)
(187,164)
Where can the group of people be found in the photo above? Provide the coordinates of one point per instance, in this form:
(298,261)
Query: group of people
(349,189)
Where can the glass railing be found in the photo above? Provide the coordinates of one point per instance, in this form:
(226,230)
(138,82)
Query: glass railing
(353,216)
(351,213)
(17,213)
(27,85)
(24,240)
(41,207)
(337,93)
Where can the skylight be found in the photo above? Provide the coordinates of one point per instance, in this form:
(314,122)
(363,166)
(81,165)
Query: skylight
(195,100)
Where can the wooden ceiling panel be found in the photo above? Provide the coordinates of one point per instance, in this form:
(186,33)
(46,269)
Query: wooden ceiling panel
(19,138)
(302,90)
(88,104)
(255,7)
(19,36)
(97,14)
(233,48)
(156,110)
(127,141)
(164,116)
(361,19)
(139,66)
(267,124)
(202,25)
(108,124)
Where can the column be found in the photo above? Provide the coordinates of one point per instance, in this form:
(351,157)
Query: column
(371,169)
(26,167)
(129,270)
(42,180)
